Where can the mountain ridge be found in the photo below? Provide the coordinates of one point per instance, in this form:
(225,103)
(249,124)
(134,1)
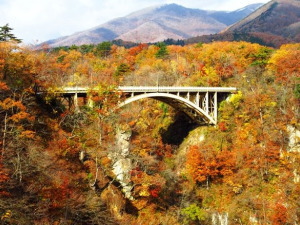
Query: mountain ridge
(277,17)
(165,21)
(273,24)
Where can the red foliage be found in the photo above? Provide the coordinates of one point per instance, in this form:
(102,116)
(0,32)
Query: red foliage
(280,214)
(136,172)
(154,191)
(65,113)
(63,144)
(137,49)
(222,126)
(58,194)
(3,179)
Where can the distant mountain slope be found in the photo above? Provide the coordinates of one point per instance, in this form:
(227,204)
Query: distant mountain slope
(253,37)
(156,24)
(278,17)
(273,24)
(232,17)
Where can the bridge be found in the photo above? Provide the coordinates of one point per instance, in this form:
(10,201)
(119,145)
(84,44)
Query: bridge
(199,103)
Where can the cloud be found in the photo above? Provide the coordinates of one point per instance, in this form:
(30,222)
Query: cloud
(47,19)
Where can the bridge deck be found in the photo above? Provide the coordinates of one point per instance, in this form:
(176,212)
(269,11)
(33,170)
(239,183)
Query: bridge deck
(149,89)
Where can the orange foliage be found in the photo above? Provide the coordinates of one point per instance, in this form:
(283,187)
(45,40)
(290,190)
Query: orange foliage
(28,134)
(204,165)
(197,166)
(222,126)
(9,103)
(137,49)
(21,116)
(286,62)
(251,130)
(3,86)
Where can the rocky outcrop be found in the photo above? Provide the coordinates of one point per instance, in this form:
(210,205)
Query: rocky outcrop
(122,164)
(220,219)
(294,139)
(294,146)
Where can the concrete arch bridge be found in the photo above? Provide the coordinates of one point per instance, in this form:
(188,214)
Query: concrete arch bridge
(199,103)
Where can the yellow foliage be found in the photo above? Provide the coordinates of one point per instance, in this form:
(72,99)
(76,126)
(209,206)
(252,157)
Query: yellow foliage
(271,104)
(6,215)
(284,51)
(144,193)
(235,99)
(212,76)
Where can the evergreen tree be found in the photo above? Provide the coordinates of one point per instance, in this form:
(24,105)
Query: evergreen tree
(103,49)
(6,35)
(162,51)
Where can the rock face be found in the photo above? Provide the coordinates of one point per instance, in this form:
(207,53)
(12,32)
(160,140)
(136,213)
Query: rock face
(294,139)
(220,219)
(122,164)
(294,146)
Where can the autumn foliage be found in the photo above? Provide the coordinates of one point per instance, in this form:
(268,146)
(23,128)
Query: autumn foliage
(57,160)
(204,164)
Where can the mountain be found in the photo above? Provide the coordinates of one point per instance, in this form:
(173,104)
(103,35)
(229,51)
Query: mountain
(278,17)
(232,17)
(273,24)
(158,23)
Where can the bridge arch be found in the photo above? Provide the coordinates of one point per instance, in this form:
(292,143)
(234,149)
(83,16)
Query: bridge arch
(176,101)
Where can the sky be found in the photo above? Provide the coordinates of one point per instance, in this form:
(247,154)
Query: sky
(36,21)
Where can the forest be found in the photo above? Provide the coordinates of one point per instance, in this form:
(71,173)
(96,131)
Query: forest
(59,165)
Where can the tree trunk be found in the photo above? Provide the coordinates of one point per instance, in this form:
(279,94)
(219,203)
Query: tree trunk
(4,134)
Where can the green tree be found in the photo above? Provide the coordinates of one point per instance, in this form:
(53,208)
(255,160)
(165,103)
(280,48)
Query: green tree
(122,69)
(297,91)
(103,49)
(6,35)
(193,213)
(162,51)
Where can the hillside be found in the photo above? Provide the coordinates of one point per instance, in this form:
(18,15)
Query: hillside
(274,24)
(157,24)
(278,17)
(147,163)
(265,39)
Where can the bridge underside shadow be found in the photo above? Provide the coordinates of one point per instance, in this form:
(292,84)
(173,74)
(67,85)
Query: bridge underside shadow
(178,130)
(190,112)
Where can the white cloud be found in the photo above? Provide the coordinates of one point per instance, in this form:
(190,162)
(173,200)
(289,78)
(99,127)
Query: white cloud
(46,19)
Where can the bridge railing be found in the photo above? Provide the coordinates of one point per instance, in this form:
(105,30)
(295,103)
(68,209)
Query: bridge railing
(78,89)
(175,89)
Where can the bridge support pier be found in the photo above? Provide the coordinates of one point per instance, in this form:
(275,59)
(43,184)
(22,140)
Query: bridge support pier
(215,105)
(90,103)
(76,102)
